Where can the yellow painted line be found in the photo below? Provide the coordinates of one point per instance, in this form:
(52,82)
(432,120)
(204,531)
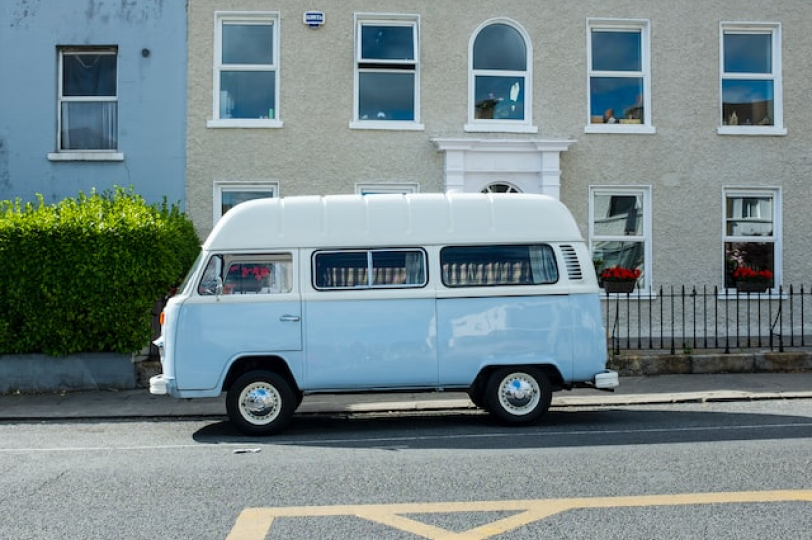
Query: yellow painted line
(255,523)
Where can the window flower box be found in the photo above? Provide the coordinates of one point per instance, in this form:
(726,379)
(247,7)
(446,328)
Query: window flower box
(619,280)
(752,281)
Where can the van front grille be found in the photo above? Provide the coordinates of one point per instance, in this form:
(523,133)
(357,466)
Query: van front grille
(571,260)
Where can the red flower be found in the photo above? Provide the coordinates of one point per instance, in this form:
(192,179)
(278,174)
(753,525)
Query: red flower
(618,273)
(743,273)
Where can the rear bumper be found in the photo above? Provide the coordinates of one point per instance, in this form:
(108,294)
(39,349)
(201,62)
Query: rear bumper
(608,380)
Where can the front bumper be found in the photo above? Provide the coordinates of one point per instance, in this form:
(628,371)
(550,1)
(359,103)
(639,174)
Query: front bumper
(161,385)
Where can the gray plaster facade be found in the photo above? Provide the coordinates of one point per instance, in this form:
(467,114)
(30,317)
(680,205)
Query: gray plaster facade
(146,140)
(682,162)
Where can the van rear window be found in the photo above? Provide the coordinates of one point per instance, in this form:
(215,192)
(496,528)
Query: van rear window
(478,266)
(368,269)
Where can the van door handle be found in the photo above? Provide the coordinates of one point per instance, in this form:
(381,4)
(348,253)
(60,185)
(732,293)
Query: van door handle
(290,318)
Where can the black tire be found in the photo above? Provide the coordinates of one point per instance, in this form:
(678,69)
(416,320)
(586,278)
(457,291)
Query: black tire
(518,396)
(260,403)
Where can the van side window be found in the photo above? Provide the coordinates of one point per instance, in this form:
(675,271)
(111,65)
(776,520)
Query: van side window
(477,266)
(373,268)
(248,274)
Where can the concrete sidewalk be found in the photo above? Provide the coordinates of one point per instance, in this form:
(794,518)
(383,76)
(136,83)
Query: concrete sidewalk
(635,390)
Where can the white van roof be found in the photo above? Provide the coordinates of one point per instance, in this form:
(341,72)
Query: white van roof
(392,220)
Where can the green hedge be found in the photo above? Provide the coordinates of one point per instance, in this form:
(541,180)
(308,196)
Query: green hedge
(83,275)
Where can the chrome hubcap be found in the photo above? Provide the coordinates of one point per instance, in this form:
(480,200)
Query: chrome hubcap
(519,393)
(260,403)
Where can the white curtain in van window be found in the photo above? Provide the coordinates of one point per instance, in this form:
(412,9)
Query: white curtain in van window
(542,263)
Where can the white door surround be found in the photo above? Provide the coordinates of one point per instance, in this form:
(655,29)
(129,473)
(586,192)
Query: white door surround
(532,165)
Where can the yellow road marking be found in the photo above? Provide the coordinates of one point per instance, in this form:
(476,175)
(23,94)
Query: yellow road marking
(255,523)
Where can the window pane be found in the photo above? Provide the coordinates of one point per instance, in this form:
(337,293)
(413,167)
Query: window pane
(618,215)
(500,46)
(623,95)
(748,53)
(89,125)
(249,93)
(499,97)
(386,96)
(749,216)
(230,199)
(89,75)
(248,44)
(607,254)
(754,255)
(498,265)
(264,277)
(398,268)
(387,42)
(616,51)
(747,103)
(341,270)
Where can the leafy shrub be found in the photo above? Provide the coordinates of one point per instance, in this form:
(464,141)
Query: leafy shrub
(84,274)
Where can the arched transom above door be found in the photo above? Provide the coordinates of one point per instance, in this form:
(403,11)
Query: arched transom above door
(525,165)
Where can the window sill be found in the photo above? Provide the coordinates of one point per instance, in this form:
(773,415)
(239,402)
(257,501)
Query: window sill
(245,123)
(638,294)
(500,127)
(752,131)
(635,129)
(392,125)
(85,156)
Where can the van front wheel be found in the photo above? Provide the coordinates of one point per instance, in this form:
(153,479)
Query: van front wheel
(517,396)
(260,403)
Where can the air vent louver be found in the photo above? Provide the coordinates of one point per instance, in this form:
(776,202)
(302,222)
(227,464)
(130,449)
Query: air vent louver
(571,260)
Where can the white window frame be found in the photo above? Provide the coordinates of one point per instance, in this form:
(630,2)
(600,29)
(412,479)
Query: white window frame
(245,17)
(777,228)
(644,192)
(413,21)
(621,25)
(774,30)
(260,186)
(479,125)
(370,188)
(76,154)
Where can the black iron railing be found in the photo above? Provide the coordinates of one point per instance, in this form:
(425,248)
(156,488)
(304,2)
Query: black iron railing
(685,319)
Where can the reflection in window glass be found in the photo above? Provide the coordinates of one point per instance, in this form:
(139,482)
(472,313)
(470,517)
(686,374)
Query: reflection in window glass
(749,78)
(251,94)
(618,232)
(380,42)
(500,47)
(500,74)
(482,266)
(617,78)
(749,233)
(248,44)
(246,70)
(386,70)
(231,198)
(386,95)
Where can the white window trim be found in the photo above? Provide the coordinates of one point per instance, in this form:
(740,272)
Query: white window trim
(475,125)
(774,29)
(387,187)
(84,155)
(643,25)
(250,17)
(387,19)
(645,192)
(219,187)
(776,239)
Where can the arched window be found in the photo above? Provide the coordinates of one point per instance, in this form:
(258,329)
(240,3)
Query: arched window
(500,79)
(500,187)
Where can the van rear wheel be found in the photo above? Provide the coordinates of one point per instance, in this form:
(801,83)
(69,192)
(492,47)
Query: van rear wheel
(518,396)
(260,403)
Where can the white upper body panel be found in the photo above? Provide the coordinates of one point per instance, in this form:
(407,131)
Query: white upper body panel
(345,221)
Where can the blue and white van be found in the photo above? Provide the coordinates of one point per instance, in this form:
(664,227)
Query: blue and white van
(492,294)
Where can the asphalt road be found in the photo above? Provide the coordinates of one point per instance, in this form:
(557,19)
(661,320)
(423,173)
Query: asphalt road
(740,470)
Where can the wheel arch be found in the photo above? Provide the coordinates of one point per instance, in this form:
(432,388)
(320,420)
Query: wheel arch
(550,370)
(273,363)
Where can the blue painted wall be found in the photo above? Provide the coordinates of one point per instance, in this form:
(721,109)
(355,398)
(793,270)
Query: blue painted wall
(151,94)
